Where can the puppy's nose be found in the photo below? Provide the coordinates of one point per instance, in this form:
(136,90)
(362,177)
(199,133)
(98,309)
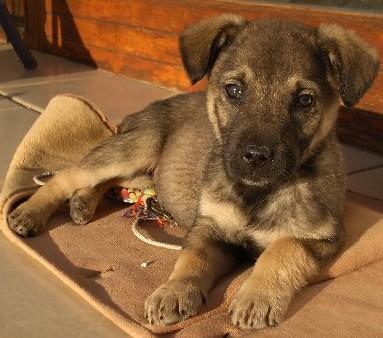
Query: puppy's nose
(256,156)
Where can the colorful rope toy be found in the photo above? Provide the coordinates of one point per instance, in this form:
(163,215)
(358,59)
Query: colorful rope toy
(145,206)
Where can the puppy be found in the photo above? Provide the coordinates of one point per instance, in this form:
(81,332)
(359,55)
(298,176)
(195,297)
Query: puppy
(251,164)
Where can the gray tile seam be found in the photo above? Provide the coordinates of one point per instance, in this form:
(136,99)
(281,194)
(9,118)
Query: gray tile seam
(365,170)
(364,194)
(47,80)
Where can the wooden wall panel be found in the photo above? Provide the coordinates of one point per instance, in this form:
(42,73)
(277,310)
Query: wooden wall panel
(15,7)
(88,32)
(111,31)
(3,38)
(153,45)
(154,72)
(80,52)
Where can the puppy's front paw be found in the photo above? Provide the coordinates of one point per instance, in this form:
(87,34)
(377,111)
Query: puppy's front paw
(256,308)
(81,209)
(172,302)
(25,222)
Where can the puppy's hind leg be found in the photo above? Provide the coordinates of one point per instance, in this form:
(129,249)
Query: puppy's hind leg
(125,155)
(84,202)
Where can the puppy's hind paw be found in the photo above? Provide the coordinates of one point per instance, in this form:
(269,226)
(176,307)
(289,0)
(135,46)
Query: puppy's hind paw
(24,222)
(81,210)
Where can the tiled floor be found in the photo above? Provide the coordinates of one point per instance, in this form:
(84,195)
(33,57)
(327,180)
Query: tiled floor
(33,303)
(360,160)
(15,121)
(115,95)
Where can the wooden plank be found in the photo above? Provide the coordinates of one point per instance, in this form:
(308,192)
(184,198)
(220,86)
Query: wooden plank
(3,38)
(102,35)
(153,14)
(150,71)
(15,7)
(157,46)
(34,23)
(105,10)
(130,65)
(94,56)
(373,100)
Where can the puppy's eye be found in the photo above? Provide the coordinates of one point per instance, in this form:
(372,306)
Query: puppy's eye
(234,91)
(305,100)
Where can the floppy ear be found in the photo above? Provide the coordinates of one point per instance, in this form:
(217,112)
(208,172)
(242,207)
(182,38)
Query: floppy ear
(201,43)
(353,62)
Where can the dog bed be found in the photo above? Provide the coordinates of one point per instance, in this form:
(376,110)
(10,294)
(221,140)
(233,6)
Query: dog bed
(115,271)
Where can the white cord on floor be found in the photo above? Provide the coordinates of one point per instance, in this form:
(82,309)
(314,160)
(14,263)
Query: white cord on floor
(152,241)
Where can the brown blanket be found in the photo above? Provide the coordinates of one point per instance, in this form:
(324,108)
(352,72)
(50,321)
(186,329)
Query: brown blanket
(102,260)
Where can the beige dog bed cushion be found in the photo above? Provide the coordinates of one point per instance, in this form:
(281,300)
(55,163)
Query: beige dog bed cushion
(102,261)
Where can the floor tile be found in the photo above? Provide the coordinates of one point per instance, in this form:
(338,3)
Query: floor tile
(357,159)
(14,124)
(49,68)
(35,304)
(115,95)
(6,104)
(369,183)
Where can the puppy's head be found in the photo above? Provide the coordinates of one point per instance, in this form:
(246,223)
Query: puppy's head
(274,89)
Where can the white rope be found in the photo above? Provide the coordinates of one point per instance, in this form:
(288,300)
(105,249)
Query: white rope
(152,241)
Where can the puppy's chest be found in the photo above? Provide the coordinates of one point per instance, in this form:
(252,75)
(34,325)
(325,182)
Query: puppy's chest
(280,216)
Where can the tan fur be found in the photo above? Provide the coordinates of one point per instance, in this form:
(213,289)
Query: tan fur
(228,217)
(283,268)
(84,202)
(204,264)
(195,272)
(213,118)
(282,217)
(325,126)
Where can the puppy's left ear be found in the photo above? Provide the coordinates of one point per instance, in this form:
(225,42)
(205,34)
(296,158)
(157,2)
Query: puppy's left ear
(354,64)
(201,43)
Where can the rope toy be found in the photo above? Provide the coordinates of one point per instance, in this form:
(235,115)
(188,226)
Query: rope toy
(143,205)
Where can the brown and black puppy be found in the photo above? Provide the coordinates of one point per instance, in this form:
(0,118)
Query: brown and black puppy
(251,163)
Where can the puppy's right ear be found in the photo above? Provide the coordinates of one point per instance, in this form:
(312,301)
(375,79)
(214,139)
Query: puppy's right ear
(201,43)
(354,63)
